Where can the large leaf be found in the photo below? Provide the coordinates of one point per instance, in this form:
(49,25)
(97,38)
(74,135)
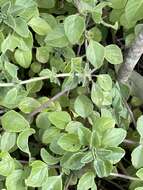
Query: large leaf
(53,182)
(83,106)
(60,119)
(16,180)
(23,58)
(8,140)
(133,10)
(95,53)
(113,54)
(69,142)
(14,122)
(137,156)
(74,26)
(86,181)
(113,137)
(40,26)
(22,140)
(38,175)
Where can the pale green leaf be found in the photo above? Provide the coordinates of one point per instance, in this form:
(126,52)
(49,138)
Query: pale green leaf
(12,121)
(38,175)
(74,26)
(22,140)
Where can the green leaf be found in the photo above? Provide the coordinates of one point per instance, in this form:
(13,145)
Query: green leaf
(60,119)
(102,168)
(38,175)
(113,54)
(133,11)
(57,37)
(72,161)
(113,137)
(40,26)
(74,26)
(22,140)
(14,122)
(140,125)
(69,142)
(8,140)
(16,180)
(140,173)
(95,53)
(102,124)
(21,27)
(118,4)
(86,181)
(28,104)
(105,82)
(11,97)
(42,120)
(83,106)
(87,158)
(49,134)
(6,164)
(46,4)
(97,95)
(139,188)
(42,54)
(53,182)
(48,158)
(11,69)
(23,58)
(137,156)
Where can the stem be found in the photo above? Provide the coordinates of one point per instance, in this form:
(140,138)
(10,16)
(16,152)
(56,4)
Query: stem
(68,182)
(33,80)
(131,59)
(48,103)
(125,177)
(127,141)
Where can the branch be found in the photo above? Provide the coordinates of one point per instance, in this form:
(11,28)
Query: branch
(125,177)
(131,59)
(48,103)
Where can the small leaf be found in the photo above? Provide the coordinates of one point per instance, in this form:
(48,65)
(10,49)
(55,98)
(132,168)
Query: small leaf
(14,122)
(42,120)
(53,182)
(86,181)
(11,69)
(28,105)
(74,26)
(60,119)
(11,97)
(69,142)
(113,54)
(38,175)
(23,58)
(6,164)
(103,123)
(137,156)
(83,106)
(140,125)
(40,26)
(48,158)
(105,82)
(102,168)
(22,140)
(97,95)
(140,173)
(42,54)
(113,137)
(16,180)
(8,140)
(95,53)
(21,27)
(57,37)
